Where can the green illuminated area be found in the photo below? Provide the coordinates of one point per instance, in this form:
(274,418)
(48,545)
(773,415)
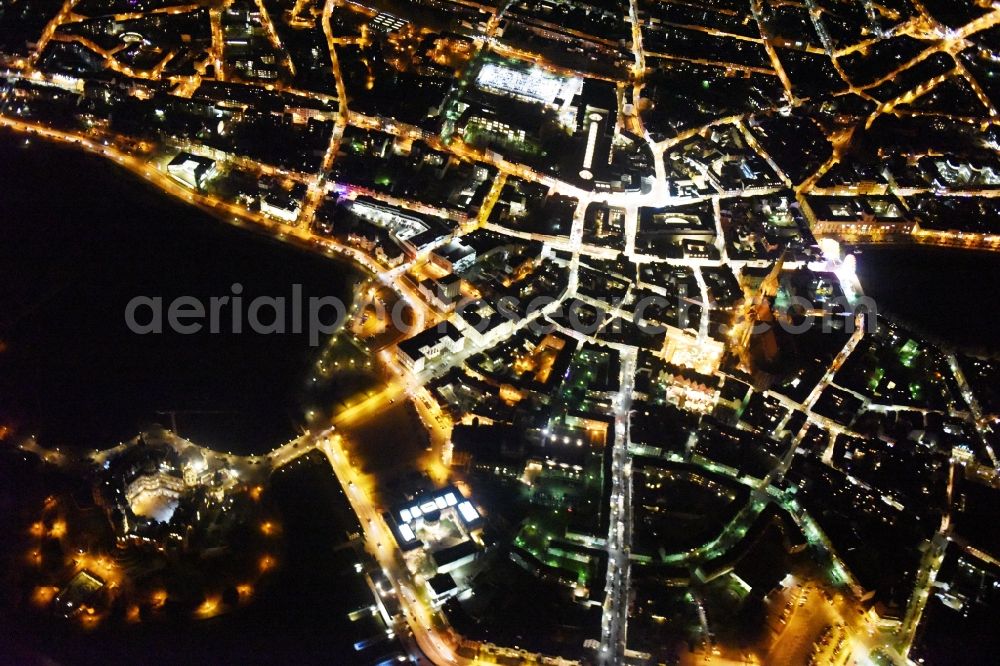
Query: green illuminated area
(542,536)
(908,352)
(892,368)
(876,379)
(479,134)
(587,378)
(682,514)
(563,517)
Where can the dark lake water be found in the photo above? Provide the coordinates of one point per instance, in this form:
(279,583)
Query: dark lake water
(947,293)
(79,239)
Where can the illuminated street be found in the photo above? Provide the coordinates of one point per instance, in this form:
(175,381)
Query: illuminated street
(610,389)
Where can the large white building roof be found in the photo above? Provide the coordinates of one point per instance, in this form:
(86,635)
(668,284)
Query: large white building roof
(531,83)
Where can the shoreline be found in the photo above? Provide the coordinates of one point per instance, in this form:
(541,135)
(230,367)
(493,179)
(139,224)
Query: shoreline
(335,274)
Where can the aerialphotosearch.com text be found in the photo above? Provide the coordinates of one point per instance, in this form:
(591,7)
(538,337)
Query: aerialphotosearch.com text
(321,316)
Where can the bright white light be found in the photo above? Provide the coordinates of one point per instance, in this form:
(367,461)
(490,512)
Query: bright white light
(407,533)
(848,267)
(588,155)
(468,511)
(830,248)
(533,84)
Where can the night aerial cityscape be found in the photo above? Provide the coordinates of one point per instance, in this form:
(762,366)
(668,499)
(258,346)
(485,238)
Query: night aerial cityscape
(556,332)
